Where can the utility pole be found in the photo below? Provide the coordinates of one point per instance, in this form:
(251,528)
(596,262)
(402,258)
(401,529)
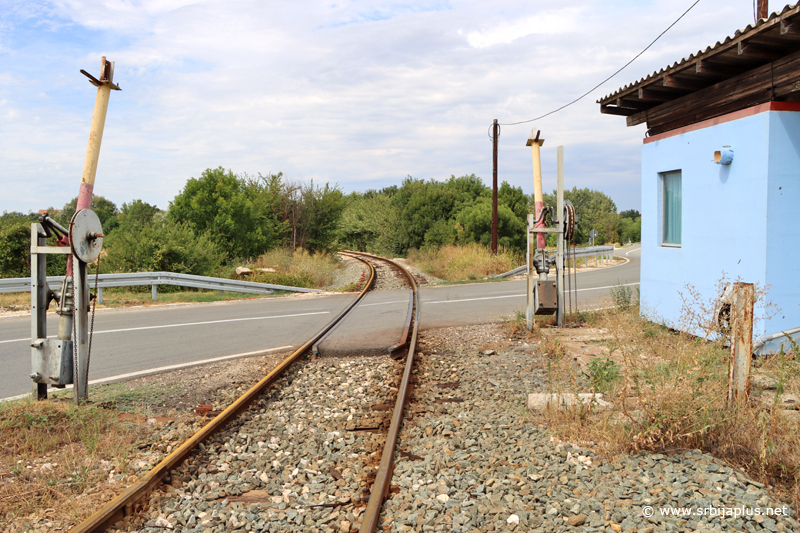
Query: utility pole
(495,135)
(763,9)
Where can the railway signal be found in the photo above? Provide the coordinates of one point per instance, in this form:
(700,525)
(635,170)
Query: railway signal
(545,296)
(65,359)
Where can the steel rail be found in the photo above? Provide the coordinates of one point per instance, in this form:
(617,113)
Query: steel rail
(122,505)
(383,478)
(315,348)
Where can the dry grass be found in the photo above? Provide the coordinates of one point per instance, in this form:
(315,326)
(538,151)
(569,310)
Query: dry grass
(669,392)
(468,262)
(52,452)
(296,268)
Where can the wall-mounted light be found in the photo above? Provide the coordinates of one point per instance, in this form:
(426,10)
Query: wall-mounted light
(724,156)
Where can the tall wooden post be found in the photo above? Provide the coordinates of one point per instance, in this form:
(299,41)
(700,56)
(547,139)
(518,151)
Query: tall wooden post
(742,304)
(495,134)
(763,9)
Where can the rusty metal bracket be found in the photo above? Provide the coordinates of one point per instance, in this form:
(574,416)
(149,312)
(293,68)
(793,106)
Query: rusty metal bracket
(106,75)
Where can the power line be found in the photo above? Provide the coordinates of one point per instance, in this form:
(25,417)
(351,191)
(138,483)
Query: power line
(587,93)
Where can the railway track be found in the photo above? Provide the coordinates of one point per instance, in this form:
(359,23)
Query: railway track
(310,447)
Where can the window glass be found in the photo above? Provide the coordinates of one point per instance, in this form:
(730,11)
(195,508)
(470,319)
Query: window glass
(671,208)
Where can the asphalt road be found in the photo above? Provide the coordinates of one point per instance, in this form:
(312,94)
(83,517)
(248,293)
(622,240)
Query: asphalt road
(136,341)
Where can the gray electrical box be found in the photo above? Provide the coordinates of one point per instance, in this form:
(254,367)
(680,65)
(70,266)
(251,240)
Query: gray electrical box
(52,361)
(545,298)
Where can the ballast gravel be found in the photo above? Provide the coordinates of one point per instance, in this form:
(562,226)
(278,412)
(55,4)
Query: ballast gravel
(476,461)
(302,459)
(470,458)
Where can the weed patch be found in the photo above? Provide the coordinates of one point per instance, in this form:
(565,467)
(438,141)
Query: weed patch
(468,262)
(669,391)
(50,453)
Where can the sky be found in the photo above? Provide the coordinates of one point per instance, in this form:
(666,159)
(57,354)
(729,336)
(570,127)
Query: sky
(359,94)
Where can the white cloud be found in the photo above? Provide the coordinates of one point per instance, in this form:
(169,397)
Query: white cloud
(359,93)
(508,31)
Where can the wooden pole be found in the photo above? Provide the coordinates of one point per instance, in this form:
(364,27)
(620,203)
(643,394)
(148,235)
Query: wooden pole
(495,132)
(763,9)
(742,304)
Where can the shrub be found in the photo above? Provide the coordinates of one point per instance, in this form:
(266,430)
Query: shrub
(161,246)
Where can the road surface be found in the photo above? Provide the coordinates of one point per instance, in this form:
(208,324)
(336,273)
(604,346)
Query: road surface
(135,341)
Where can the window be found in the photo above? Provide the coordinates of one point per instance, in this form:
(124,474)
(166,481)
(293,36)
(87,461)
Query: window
(671,208)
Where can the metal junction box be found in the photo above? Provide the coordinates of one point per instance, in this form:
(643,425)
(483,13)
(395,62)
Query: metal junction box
(52,361)
(545,298)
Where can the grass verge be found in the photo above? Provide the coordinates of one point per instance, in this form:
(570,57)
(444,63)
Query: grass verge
(668,391)
(467,262)
(54,451)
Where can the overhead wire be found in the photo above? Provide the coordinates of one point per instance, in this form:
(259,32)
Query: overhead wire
(584,95)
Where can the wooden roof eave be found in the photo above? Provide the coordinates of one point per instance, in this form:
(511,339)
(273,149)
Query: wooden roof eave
(770,39)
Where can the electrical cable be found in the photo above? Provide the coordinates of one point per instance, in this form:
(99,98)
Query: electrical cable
(608,78)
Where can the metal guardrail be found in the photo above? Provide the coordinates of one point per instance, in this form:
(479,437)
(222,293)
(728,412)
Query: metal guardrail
(586,252)
(157,278)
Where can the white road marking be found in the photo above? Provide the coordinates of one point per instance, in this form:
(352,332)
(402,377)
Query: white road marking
(634,250)
(161,369)
(517,295)
(189,324)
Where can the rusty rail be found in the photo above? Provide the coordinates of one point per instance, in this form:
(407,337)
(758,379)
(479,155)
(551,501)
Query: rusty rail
(122,505)
(315,348)
(383,478)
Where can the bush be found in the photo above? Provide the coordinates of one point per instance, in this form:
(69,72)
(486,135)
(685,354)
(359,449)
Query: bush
(15,249)
(161,246)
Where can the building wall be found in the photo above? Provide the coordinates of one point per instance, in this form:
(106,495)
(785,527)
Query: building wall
(783,219)
(724,227)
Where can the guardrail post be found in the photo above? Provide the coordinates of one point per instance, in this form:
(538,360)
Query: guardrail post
(154,291)
(99,295)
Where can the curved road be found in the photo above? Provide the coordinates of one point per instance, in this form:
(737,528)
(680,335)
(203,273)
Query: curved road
(136,341)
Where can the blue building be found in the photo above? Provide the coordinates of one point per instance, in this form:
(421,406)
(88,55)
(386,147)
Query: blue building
(721,174)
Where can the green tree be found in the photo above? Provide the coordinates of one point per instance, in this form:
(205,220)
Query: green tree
(161,245)
(370,223)
(313,214)
(475,225)
(234,211)
(432,206)
(137,213)
(632,214)
(15,246)
(592,210)
(630,229)
(105,209)
(515,199)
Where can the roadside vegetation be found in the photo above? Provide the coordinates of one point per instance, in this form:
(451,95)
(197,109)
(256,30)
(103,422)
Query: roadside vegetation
(54,451)
(221,220)
(668,392)
(464,263)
